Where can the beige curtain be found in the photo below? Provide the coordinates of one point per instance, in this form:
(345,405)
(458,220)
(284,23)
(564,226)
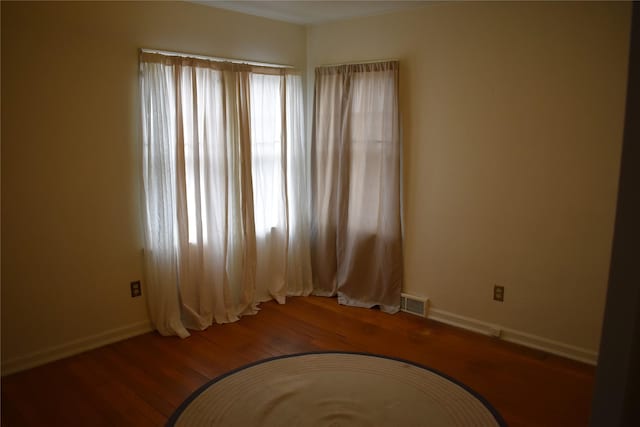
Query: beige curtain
(356,231)
(222,144)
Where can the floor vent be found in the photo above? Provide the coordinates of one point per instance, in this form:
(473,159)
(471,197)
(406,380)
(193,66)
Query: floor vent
(414,305)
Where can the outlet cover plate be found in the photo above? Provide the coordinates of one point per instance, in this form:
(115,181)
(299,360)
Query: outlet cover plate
(136,289)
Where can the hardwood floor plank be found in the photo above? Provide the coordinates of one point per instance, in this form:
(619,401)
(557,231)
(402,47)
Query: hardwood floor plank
(142,380)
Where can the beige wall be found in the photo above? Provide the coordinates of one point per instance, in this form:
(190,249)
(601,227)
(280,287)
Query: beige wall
(512,116)
(71,239)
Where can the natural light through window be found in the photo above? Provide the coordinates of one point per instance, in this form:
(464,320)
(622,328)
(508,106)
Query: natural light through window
(202,106)
(201,96)
(266,153)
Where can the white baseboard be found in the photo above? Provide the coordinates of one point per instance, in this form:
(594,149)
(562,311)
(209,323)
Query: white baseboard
(511,335)
(74,347)
(89,343)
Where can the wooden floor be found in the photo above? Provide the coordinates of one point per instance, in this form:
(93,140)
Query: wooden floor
(141,381)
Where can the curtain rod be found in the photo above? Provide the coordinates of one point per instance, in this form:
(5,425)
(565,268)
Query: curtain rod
(359,62)
(213,58)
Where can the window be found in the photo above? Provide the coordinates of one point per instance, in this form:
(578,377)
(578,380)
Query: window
(357,246)
(224,172)
(371,144)
(267,166)
(200,92)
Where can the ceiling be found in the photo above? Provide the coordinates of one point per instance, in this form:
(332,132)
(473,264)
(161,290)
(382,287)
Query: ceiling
(308,12)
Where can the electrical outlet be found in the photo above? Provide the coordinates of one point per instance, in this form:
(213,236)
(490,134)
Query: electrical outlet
(136,289)
(498,293)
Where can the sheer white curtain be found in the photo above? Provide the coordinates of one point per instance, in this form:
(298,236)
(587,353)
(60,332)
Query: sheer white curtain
(356,234)
(281,186)
(218,190)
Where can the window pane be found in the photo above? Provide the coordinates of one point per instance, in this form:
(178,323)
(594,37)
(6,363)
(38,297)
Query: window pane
(266,152)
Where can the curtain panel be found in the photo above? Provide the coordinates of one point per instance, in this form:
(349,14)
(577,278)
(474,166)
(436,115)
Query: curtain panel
(356,219)
(225,189)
